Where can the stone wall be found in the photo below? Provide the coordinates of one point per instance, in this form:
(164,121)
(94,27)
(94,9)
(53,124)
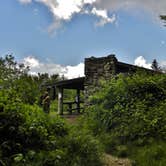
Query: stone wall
(97,69)
(102,68)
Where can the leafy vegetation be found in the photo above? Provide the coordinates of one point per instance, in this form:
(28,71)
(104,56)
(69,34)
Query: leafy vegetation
(28,135)
(16,83)
(163,17)
(127,119)
(129,112)
(155,65)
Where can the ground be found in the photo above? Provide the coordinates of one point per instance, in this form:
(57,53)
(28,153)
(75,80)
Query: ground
(114,161)
(109,160)
(71,118)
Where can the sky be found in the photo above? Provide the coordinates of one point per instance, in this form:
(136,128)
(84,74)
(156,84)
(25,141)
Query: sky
(55,36)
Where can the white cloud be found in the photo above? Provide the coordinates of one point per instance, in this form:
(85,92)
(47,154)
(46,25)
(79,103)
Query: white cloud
(141,61)
(31,62)
(163,65)
(103,14)
(89,1)
(51,68)
(153,6)
(52,27)
(64,10)
(25,1)
(75,71)
(38,67)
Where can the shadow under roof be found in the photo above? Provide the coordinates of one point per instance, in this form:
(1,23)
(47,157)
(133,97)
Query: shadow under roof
(76,83)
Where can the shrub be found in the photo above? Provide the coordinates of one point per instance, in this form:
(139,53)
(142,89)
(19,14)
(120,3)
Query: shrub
(30,137)
(130,107)
(152,155)
(129,113)
(83,149)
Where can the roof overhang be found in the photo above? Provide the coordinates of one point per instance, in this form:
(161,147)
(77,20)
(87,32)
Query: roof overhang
(76,83)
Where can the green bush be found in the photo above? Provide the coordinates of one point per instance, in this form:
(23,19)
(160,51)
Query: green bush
(129,111)
(131,107)
(83,149)
(150,155)
(31,137)
(28,128)
(28,135)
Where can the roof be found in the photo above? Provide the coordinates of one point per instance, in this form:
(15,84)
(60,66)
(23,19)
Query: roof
(76,83)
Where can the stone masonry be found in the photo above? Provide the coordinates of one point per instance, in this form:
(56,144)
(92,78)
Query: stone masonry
(103,68)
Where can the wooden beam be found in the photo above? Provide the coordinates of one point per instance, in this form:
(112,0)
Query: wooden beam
(54,92)
(78,100)
(60,101)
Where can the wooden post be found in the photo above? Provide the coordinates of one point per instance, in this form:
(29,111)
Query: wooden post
(60,101)
(70,108)
(78,100)
(54,93)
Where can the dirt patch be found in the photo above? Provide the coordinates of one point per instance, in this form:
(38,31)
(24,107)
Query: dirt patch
(72,119)
(115,161)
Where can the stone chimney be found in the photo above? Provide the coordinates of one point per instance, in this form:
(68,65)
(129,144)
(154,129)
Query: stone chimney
(97,69)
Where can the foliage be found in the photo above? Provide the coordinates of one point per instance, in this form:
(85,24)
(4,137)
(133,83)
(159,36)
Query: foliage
(163,17)
(15,81)
(18,84)
(28,135)
(10,71)
(149,155)
(134,100)
(129,110)
(155,65)
(26,128)
(31,137)
(83,149)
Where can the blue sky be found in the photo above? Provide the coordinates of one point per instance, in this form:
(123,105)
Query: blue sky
(61,33)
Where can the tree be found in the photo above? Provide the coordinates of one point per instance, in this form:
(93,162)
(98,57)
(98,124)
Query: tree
(163,18)
(15,81)
(155,65)
(10,70)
